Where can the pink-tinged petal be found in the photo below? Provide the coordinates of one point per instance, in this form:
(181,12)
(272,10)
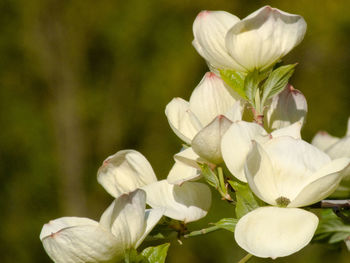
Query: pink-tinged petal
(209,30)
(286,108)
(211,98)
(124,172)
(77,240)
(261,39)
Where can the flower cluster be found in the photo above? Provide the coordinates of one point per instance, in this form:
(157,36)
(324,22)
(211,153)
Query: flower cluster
(242,124)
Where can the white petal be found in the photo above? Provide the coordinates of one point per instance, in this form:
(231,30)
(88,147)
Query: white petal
(181,172)
(291,130)
(188,202)
(207,143)
(126,218)
(209,30)
(294,164)
(152,218)
(182,120)
(339,149)
(235,113)
(211,98)
(236,144)
(288,107)
(124,172)
(189,157)
(262,38)
(74,239)
(323,183)
(260,174)
(323,140)
(275,232)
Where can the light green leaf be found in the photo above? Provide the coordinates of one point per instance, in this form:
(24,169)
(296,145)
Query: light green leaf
(235,80)
(246,201)
(156,254)
(277,81)
(131,256)
(227,223)
(209,175)
(331,228)
(251,84)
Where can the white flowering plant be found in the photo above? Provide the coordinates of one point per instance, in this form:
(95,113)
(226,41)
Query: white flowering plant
(241,136)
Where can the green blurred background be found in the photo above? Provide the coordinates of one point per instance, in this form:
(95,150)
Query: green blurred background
(80,80)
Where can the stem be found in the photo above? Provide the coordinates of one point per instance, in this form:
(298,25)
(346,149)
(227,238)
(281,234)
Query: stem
(223,189)
(258,117)
(246,258)
(221,180)
(202,231)
(332,204)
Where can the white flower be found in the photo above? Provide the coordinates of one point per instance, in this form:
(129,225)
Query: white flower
(128,170)
(256,42)
(286,108)
(336,148)
(236,143)
(292,172)
(275,232)
(124,225)
(333,146)
(289,173)
(201,122)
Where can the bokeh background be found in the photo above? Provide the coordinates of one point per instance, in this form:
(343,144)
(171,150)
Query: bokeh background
(80,80)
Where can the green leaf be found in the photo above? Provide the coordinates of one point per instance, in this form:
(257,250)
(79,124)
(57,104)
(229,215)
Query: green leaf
(246,201)
(131,256)
(251,84)
(235,80)
(227,223)
(209,175)
(156,254)
(331,228)
(277,81)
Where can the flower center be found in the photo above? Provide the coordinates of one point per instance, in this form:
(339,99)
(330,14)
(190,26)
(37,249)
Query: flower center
(282,201)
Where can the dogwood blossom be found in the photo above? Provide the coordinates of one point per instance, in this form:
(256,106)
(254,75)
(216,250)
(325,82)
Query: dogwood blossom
(336,147)
(128,170)
(288,173)
(124,225)
(255,42)
(201,123)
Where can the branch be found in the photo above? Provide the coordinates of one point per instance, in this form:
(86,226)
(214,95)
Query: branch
(332,204)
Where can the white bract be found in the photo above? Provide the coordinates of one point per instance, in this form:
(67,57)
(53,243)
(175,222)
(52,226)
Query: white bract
(128,170)
(201,123)
(124,225)
(236,143)
(255,42)
(286,108)
(275,232)
(336,148)
(289,173)
(292,172)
